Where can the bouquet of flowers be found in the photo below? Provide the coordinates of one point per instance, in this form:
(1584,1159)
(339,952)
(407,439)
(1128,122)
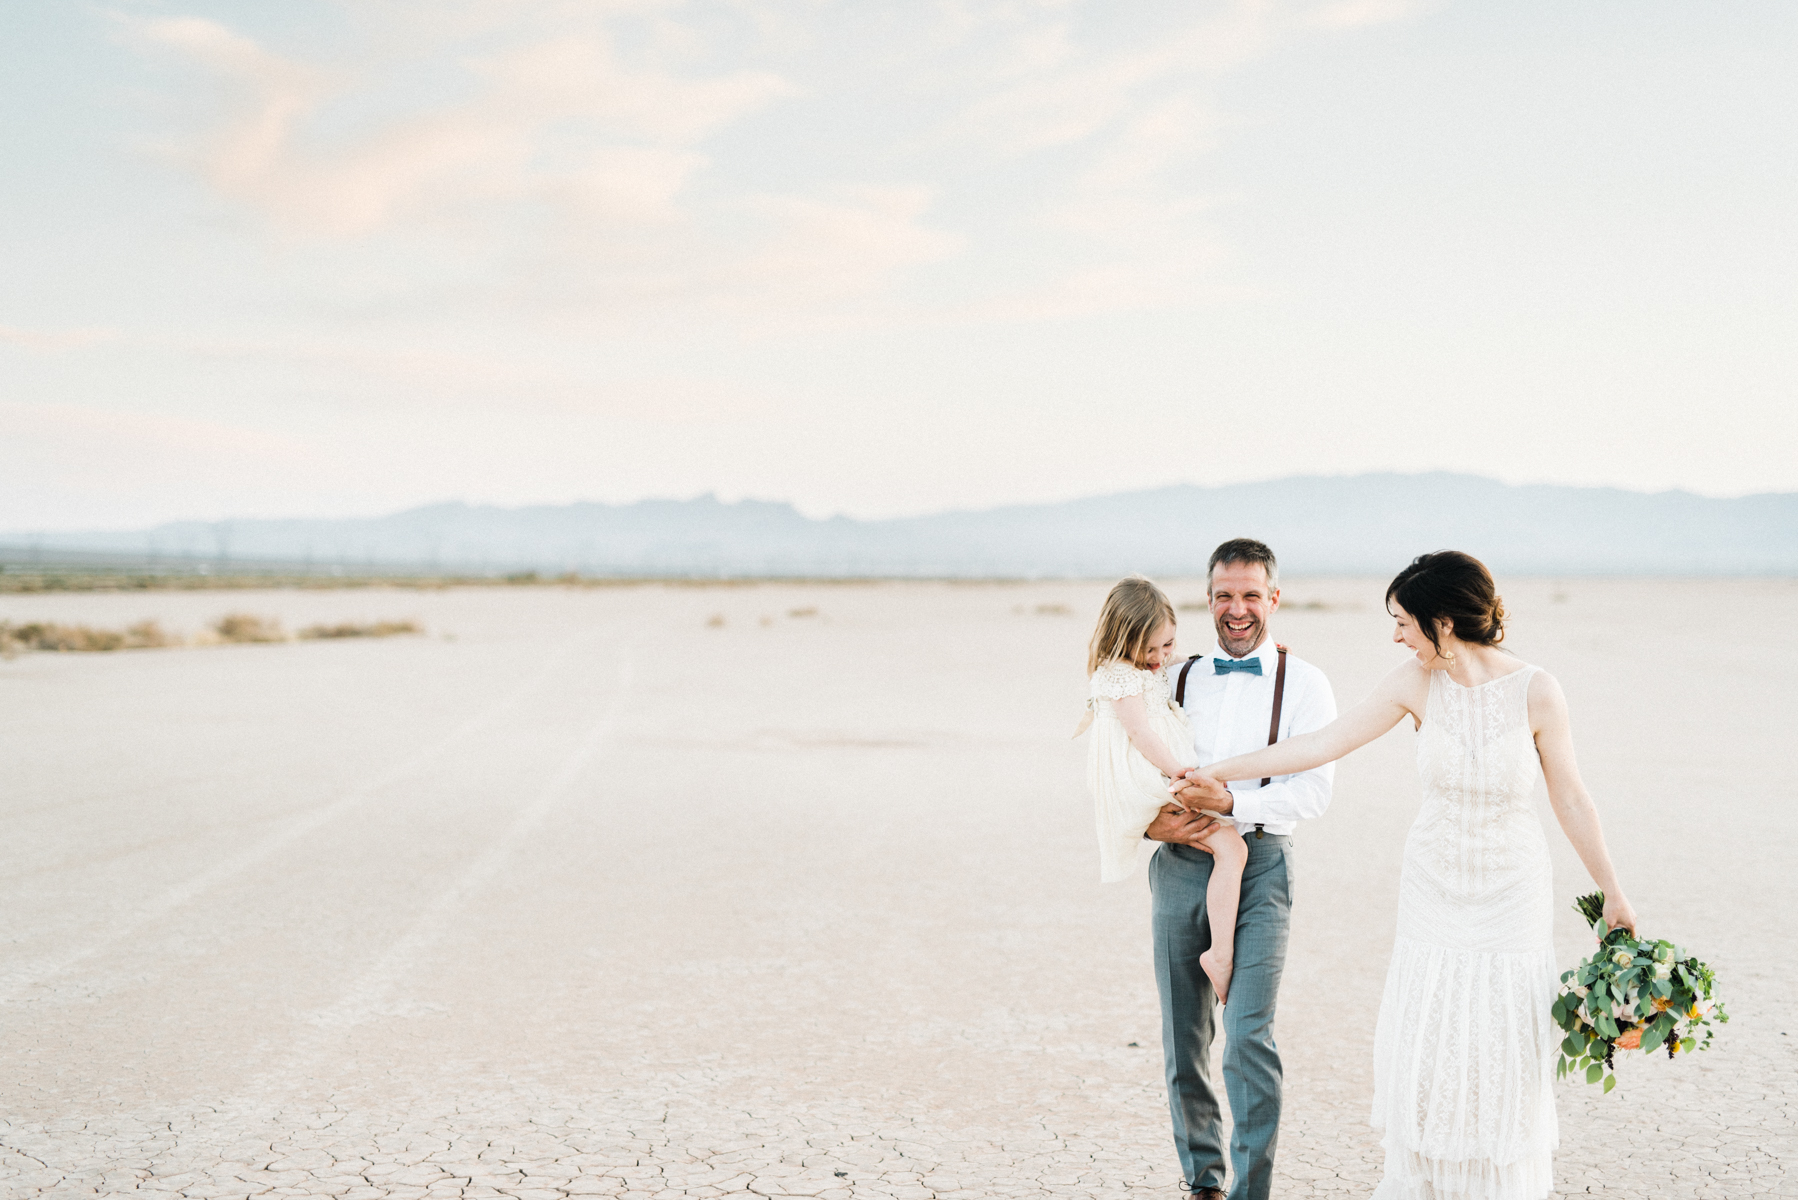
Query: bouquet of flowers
(1631,994)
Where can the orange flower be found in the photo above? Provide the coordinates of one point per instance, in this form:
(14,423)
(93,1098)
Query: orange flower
(1631,1039)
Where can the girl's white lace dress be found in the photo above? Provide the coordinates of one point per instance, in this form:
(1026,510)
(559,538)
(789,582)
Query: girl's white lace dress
(1128,790)
(1464,1049)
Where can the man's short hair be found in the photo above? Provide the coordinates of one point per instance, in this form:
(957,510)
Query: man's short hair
(1244,550)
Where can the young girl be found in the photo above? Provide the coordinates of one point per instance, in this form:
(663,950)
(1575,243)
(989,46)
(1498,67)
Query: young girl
(1140,741)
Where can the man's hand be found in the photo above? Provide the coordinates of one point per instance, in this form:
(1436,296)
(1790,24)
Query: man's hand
(1175,824)
(1198,790)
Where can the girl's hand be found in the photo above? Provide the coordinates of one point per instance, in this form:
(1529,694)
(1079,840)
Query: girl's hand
(1618,913)
(1198,790)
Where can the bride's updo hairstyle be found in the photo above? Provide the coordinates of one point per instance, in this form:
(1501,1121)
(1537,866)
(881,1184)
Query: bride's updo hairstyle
(1134,610)
(1454,587)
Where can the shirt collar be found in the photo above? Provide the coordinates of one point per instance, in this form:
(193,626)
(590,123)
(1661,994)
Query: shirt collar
(1264,652)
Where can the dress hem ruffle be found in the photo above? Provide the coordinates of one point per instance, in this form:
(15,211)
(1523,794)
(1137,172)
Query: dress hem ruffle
(1463,1074)
(1411,1176)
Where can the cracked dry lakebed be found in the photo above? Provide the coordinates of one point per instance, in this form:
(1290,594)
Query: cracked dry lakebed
(779,890)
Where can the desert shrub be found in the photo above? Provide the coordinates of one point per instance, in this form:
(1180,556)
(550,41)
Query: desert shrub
(45,635)
(245,627)
(148,635)
(351,629)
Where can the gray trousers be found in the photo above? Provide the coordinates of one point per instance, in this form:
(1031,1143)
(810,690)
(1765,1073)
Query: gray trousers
(1252,1076)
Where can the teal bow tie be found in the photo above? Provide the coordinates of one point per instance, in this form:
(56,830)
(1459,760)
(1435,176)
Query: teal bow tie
(1223,666)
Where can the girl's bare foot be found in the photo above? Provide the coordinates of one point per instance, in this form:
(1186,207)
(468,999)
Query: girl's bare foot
(1219,970)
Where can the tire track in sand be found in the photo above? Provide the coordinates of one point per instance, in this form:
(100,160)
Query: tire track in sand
(34,974)
(368,995)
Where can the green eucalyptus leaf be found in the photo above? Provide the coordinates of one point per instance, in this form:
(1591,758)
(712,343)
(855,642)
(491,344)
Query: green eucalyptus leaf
(1610,1081)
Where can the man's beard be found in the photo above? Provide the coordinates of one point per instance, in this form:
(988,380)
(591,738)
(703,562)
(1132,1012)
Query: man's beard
(1238,646)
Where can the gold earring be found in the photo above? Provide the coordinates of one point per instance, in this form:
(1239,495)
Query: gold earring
(1448,656)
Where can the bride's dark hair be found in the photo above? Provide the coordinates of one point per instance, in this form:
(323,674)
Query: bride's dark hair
(1454,587)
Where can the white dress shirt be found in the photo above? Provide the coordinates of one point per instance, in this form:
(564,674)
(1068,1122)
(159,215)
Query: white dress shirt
(1229,715)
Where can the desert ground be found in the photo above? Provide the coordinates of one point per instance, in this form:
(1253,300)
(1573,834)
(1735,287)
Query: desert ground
(775,890)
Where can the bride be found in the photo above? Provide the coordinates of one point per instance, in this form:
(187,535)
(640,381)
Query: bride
(1464,1048)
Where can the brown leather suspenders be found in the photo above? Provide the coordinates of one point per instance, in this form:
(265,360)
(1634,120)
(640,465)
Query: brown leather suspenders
(1180,687)
(1273,726)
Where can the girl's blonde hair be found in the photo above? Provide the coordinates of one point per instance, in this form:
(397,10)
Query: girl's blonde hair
(1133,611)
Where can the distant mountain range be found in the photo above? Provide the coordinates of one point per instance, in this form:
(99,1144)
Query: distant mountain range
(1363,523)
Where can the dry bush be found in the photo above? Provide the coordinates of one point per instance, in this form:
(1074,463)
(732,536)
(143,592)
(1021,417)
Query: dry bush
(43,635)
(350,629)
(148,635)
(239,628)
(245,627)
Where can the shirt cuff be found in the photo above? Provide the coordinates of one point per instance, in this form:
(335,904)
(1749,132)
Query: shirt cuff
(1247,805)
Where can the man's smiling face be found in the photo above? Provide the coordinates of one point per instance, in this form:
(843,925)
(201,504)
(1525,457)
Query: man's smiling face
(1241,603)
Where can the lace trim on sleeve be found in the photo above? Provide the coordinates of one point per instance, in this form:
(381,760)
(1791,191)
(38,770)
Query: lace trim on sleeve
(1115,680)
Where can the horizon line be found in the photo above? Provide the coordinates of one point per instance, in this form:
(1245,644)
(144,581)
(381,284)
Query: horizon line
(12,534)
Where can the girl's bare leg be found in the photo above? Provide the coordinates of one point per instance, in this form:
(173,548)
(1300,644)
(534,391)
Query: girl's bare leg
(1223,895)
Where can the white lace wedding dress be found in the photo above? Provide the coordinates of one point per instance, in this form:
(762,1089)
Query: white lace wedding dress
(1464,1049)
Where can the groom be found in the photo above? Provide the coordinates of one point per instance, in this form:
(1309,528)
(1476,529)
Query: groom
(1229,694)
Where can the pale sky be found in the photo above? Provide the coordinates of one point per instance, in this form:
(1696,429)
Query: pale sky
(293,257)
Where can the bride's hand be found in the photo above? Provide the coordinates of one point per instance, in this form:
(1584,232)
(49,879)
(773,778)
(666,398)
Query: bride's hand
(1195,789)
(1186,778)
(1617,912)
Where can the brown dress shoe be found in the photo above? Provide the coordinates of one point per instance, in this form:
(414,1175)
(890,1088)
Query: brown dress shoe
(1208,1194)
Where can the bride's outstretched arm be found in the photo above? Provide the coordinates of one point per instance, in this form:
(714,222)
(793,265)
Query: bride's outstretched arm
(1568,796)
(1391,700)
